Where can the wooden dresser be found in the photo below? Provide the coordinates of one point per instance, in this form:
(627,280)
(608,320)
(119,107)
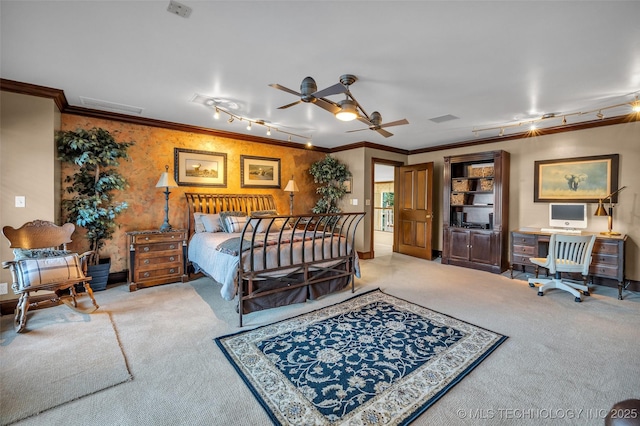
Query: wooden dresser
(607,256)
(157,257)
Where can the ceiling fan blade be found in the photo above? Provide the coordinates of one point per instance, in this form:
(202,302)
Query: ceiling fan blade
(333,90)
(285,89)
(290,105)
(395,123)
(365,121)
(384,133)
(328,105)
(358,130)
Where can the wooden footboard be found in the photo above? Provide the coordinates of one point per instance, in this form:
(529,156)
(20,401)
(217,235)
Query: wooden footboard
(277,267)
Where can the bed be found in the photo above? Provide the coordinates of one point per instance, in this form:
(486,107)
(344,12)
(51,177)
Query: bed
(263,259)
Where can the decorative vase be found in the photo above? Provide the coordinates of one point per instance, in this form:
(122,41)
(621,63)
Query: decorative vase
(99,274)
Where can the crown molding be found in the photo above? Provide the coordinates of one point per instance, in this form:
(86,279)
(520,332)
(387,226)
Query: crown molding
(60,100)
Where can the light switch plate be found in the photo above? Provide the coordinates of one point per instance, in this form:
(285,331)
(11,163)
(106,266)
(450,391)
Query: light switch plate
(21,201)
(4,288)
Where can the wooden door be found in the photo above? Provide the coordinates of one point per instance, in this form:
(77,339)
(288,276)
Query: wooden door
(414,214)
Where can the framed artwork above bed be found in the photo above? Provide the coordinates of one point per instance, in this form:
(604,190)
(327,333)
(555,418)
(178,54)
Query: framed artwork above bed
(259,172)
(200,168)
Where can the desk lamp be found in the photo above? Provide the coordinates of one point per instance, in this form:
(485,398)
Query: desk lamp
(602,212)
(166,181)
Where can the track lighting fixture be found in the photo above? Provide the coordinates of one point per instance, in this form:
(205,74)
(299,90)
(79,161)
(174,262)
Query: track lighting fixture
(635,107)
(218,109)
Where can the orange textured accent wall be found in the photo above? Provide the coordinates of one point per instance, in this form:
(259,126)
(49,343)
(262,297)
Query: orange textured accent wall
(154,148)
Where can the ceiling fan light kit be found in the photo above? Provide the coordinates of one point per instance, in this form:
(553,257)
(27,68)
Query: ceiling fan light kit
(348,110)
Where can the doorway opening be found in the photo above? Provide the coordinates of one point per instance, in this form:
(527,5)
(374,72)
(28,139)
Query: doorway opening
(383,194)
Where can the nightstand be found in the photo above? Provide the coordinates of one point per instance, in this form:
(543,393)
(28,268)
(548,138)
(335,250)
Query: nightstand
(157,257)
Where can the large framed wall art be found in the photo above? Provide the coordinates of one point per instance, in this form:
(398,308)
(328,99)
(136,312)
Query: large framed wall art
(576,180)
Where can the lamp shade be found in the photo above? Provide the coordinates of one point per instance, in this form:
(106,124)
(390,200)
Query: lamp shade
(601,211)
(348,110)
(166,180)
(291,186)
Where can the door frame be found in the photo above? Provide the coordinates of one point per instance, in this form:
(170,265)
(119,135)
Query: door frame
(395,165)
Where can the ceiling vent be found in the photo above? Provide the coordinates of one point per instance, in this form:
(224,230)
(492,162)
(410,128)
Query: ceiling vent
(179,9)
(444,118)
(97,103)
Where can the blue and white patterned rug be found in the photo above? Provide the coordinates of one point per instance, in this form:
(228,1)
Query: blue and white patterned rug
(372,359)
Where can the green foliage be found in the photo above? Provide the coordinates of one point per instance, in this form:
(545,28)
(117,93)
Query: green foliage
(96,153)
(331,174)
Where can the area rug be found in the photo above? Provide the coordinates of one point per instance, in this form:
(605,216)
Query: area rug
(62,356)
(372,359)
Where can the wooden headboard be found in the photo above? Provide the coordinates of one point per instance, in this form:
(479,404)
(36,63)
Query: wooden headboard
(216,203)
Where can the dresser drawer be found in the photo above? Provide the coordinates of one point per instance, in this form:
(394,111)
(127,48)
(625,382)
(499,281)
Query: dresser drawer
(158,247)
(173,271)
(152,262)
(159,237)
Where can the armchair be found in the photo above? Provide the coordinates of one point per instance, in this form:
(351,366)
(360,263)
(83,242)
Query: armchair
(42,262)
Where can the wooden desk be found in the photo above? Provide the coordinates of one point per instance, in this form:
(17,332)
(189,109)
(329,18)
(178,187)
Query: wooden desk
(607,257)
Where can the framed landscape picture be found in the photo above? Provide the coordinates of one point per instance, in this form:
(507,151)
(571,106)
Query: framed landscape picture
(200,168)
(577,180)
(259,172)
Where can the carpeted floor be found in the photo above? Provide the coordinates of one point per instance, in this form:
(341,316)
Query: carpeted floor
(64,356)
(561,359)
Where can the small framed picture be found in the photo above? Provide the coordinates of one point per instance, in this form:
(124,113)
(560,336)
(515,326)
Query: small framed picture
(200,168)
(348,184)
(259,172)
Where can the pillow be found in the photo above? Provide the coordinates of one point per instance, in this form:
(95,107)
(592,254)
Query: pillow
(225,215)
(276,226)
(208,222)
(19,253)
(236,223)
(48,270)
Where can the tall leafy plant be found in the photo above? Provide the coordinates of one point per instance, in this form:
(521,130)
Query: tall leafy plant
(96,154)
(331,175)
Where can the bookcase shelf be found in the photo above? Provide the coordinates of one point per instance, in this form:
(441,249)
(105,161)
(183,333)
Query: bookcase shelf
(476,200)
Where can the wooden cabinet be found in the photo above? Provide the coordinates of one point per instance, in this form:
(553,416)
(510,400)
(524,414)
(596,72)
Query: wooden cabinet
(476,202)
(607,258)
(156,257)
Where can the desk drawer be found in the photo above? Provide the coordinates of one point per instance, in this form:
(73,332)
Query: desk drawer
(524,240)
(606,248)
(521,260)
(524,250)
(602,270)
(597,258)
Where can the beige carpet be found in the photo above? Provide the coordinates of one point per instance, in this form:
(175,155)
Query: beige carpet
(561,359)
(63,356)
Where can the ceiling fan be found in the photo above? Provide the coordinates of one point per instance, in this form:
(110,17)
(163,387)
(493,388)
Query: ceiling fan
(375,123)
(309,93)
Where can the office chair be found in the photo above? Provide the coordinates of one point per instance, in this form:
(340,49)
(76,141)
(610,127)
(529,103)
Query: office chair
(42,262)
(567,253)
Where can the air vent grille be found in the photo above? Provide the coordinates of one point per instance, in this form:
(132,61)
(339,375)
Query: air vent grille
(100,104)
(444,118)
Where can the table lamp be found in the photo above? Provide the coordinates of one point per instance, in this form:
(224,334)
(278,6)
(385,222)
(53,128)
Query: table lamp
(291,187)
(166,181)
(600,211)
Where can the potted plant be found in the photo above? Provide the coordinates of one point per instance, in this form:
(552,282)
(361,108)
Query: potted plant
(95,153)
(331,175)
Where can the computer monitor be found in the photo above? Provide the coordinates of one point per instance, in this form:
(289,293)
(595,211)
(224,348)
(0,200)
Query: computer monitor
(568,215)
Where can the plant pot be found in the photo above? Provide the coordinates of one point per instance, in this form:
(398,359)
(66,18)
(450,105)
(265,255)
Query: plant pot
(99,274)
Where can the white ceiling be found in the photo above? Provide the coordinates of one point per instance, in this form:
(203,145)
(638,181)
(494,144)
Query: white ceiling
(488,63)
